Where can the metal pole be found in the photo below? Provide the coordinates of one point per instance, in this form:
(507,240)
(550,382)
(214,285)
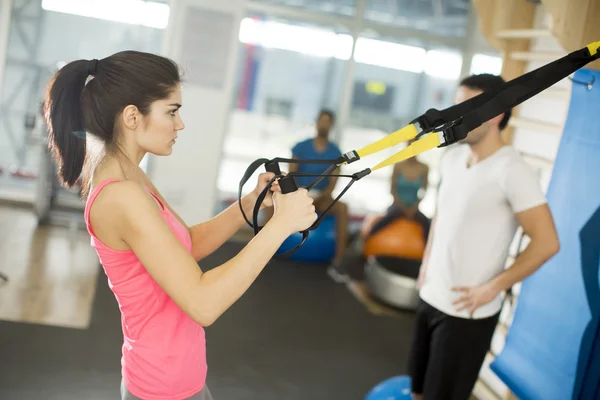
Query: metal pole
(5,14)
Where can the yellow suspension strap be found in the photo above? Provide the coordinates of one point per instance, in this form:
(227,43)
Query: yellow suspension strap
(428,142)
(438,128)
(401,135)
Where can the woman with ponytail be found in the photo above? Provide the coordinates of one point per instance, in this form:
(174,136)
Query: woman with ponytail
(129,103)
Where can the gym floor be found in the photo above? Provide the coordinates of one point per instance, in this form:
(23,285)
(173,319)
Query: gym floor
(294,335)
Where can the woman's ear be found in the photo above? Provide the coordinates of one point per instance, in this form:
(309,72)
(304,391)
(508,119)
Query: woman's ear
(131,117)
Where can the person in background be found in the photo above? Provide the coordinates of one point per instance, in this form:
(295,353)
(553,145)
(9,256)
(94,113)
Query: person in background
(408,185)
(320,147)
(487,190)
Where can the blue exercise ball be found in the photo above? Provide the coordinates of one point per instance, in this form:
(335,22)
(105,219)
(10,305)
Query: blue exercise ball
(395,388)
(319,246)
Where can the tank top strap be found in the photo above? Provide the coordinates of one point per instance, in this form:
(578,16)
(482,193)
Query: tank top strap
(92,197)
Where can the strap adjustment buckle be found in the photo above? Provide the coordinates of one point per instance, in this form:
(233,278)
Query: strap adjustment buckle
(453,132)
(430,120)
(351,156)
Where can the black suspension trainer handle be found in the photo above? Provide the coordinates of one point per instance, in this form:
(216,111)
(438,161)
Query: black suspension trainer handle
(273,166)
(287,184)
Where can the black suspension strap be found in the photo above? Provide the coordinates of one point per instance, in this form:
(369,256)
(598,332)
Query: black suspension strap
(470,114)
(438,128)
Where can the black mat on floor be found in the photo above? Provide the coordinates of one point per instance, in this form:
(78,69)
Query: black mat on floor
(294,335)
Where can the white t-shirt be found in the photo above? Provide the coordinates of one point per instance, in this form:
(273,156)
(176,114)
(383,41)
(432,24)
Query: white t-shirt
(476,223)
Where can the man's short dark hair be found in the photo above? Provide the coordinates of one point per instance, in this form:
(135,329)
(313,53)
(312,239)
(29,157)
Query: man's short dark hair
(329,113)
(486,82)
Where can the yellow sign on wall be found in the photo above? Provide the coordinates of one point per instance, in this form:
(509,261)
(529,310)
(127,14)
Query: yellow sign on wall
(374,87)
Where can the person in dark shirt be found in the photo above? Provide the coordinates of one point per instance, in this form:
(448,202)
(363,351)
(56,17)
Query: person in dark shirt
(320,147)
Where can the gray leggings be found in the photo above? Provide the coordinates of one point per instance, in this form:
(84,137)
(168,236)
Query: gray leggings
(204,394)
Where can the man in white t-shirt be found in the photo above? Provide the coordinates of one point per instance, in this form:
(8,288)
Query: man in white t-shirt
(487,190)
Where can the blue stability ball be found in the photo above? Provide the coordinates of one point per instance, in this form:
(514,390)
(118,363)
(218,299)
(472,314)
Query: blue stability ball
(319,246)
(396,388)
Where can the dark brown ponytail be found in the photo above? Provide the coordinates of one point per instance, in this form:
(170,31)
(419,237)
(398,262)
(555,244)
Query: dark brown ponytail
(63,113)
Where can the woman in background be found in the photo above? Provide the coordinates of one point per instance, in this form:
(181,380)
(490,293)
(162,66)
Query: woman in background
(408,186)
(409,183)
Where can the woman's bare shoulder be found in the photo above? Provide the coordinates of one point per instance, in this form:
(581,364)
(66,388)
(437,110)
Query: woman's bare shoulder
(110,214)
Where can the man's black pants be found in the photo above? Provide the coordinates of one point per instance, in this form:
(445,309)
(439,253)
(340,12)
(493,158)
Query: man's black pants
(447,353)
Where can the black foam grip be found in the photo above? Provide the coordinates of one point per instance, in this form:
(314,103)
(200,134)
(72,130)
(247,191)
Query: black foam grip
(288,184)
(273,167)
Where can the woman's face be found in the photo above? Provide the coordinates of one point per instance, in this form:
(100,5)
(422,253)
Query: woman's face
(161,125)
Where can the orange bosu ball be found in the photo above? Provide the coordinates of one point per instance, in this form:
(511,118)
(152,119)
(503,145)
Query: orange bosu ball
(402,238)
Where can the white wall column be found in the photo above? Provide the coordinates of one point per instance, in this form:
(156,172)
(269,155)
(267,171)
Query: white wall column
(348,80)
(5,13)
(202,37)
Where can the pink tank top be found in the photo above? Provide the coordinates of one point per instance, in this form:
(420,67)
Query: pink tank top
(164,353)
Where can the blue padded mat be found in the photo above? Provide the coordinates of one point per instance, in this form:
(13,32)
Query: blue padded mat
(552,350)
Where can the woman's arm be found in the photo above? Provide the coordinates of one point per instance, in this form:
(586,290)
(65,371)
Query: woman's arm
(208,236)
(425,178)
(203,296)
(394,184)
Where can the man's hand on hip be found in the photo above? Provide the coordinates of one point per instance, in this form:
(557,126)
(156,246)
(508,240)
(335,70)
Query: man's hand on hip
(471,298)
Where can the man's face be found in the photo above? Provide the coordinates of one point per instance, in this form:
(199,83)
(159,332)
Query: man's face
(478,134)
(324,125)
